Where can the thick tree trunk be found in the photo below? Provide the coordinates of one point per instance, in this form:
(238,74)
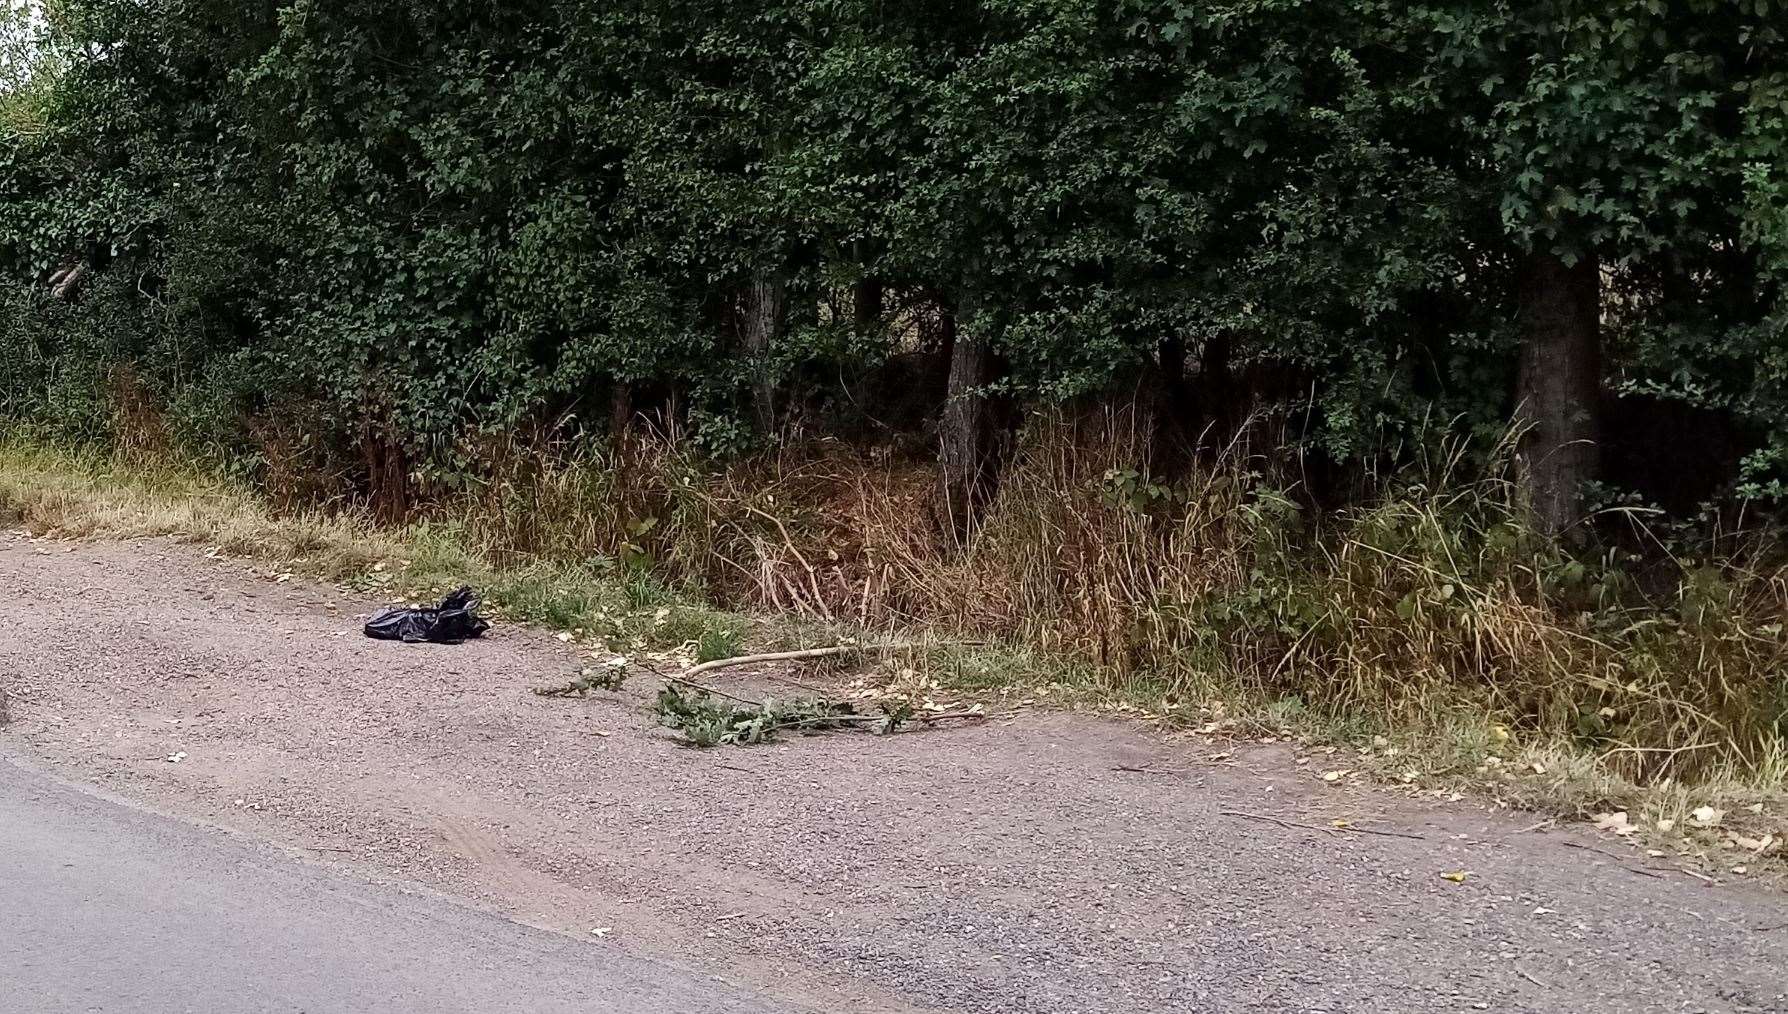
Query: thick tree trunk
(765,302)
(867,304)
(1560,386)
(967,453)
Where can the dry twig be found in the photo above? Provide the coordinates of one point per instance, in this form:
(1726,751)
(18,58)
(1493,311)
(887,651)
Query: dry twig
(1331,828)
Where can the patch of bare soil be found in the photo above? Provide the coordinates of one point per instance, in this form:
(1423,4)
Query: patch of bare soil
(1009,867)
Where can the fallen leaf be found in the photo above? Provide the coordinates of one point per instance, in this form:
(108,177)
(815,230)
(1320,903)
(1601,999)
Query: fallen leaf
(1615,822)
(1335,776)
(1456,876)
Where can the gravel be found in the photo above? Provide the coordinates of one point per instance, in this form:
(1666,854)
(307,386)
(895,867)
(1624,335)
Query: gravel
(1004,868)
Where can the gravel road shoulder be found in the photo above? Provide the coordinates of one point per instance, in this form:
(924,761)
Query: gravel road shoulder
(1011,867)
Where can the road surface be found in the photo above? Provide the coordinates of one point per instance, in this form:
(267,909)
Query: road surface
(1041,863)
(104,907)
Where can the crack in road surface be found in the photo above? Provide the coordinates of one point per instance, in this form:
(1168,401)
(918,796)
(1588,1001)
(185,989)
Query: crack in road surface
(1005,868)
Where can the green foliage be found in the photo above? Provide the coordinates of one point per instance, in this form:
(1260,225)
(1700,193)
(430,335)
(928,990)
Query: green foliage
(720,640)
(705,720)
(397,228)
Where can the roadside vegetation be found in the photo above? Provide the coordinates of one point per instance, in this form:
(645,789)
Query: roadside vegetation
(1407,378)
(1427,641)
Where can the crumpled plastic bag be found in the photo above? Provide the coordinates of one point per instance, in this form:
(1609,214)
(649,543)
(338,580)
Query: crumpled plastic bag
(456,619)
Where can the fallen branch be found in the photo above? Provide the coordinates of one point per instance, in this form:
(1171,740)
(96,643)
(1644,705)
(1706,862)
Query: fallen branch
(745,721)
(1330,828)
(691,684)
(1592,848)
(810,653)
(772,656)
(1642,871)
(1152,771)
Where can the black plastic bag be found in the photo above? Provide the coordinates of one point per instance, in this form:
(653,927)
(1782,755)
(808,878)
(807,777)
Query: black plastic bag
(456,619)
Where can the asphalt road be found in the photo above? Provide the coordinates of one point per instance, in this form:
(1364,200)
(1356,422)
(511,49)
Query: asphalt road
(108,908)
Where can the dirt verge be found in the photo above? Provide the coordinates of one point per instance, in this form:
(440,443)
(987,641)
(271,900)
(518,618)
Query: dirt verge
(1011,867)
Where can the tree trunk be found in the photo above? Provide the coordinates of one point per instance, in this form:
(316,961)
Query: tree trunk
(1560,385)
(765,300)
(867,304)
(1218,400)
(939,380)
(1173,365)
(1170,401)
(967,433)
(620,414)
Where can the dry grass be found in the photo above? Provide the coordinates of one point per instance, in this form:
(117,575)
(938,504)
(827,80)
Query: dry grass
(1428,617)
(80,495)
(1431,607)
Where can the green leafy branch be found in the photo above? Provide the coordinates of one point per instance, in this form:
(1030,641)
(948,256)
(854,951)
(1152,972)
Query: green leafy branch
(707,717)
